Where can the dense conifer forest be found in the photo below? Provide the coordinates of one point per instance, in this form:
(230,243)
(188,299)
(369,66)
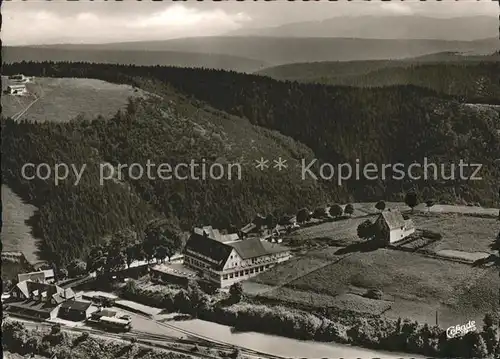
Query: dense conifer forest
(471,81)
(226,116)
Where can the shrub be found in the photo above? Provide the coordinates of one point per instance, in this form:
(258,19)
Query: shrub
(431,235)
(374,294)
(236,292)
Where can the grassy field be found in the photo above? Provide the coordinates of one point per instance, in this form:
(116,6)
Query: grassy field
(341,231)
(341,269)
(63,99)
(347,301)
(467,229)
(460,233)
(16,233)
(60,99)
(415,286)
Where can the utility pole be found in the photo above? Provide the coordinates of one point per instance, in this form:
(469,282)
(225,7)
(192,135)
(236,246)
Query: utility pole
(437,320)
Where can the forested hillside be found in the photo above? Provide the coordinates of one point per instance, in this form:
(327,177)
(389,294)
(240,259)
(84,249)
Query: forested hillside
(472,80)
(399,124)
(170,130)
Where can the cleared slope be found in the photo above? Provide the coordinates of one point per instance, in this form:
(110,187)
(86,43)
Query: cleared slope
(166,129)
(16,232)
(64,99)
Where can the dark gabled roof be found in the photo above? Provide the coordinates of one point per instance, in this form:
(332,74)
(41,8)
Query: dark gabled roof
(219,252)
(252,248)
(76,305)
(27,288)
(33,306)
(394,219)
(215,250)
(249,248)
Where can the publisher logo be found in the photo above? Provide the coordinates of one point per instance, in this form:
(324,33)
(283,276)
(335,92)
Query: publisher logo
(460,330)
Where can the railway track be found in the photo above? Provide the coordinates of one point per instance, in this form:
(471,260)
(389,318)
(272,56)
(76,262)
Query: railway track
(217,344)
(162,341)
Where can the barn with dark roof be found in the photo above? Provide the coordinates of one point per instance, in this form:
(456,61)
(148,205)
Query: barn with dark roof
(394,227)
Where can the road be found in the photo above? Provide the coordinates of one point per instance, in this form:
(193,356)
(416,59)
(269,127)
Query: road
(181,341)
(18,115)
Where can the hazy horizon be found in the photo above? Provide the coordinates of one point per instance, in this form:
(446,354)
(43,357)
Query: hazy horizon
(131,21)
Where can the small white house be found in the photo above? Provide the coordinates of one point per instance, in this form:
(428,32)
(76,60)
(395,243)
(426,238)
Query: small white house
(17,90)
(394,227)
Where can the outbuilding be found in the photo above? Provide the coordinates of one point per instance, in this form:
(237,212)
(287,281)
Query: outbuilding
(394,227)
(17,89)
(76,310)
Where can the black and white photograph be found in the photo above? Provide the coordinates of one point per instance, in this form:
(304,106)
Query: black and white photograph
(250,179)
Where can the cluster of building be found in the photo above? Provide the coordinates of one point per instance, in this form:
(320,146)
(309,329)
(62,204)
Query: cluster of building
(18,85)
(223,259)
(216,258)
(36,296)
(209,255)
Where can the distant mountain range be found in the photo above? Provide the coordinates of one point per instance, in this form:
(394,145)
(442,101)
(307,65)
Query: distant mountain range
(385,27)
(131,57)
(244,54)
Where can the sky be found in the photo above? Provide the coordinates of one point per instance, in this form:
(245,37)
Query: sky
(35,22)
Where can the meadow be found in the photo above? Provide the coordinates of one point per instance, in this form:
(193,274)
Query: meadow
(460,233)
(413,285)
(64,99)
(16,233)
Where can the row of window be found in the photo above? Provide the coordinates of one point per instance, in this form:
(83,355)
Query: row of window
(245,272)
(258,260)
(196,262)
(202,256)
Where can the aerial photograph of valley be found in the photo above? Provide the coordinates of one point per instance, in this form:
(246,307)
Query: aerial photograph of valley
(250,179)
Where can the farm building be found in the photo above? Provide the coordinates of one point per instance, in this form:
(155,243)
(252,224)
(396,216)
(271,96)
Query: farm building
(259,227)
(33,309)
(76,310)
(34,299)
(393,226)
(17,89)
(30,290)
(226,263)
